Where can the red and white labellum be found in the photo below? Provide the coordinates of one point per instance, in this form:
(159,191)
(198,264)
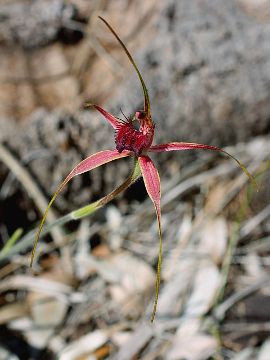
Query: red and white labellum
(137,140)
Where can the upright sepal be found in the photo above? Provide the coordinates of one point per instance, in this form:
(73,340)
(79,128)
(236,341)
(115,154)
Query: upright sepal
(145,92)
(87,164)
(152,184)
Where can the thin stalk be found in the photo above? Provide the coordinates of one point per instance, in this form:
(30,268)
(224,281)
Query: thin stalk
(78,214)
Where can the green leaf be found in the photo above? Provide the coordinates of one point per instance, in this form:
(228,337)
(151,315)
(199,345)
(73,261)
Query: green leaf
(11,242)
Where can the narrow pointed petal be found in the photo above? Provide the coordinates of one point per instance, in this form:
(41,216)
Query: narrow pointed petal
(176,146)
(95,160)
(109,117)
(152,184)
(145,92)
(87,164)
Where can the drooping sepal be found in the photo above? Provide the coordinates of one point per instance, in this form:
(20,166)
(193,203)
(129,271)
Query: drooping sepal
(87,164)
(95,160)
(152,184)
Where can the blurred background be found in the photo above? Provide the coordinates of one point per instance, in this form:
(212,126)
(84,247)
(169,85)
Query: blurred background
(91,291)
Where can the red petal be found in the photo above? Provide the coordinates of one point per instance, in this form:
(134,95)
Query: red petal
(181,146)
(87,164)
(94,161)
(152,184)
(189,146)
(151,179)
(111,119)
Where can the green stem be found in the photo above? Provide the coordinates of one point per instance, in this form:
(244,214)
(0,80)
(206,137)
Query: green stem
(87,210)
(159,265)
(91,208)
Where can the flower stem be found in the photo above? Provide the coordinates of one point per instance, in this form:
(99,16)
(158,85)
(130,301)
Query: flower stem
(91,208)
(27,240)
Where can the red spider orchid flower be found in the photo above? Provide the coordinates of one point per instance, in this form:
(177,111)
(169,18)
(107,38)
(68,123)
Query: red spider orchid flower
(132,141)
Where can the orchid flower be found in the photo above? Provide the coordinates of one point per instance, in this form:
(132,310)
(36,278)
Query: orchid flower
(136,142)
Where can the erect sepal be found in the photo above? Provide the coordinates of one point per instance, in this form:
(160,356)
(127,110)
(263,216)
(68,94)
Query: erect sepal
(152,184)
(145,92)
(87,164)
(178,146)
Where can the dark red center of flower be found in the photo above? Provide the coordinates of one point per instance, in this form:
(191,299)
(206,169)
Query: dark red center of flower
(132,139)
